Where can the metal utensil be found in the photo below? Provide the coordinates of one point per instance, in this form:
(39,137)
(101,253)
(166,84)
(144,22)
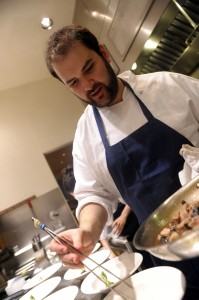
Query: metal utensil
(63,241)
(182,248)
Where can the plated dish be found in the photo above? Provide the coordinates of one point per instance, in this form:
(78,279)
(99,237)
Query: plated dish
(122,267)
(69,293)
(41,276)
(40,291)
(97,246)
(152,284)
(99,256)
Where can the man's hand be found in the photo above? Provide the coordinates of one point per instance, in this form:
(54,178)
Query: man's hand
(81,240)
(92,219)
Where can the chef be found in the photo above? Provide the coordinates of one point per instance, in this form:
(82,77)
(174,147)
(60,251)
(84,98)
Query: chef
(127,141)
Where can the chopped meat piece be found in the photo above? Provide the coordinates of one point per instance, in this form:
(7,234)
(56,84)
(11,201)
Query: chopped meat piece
(165,231)
(175,235)
(182,222)
(194,222)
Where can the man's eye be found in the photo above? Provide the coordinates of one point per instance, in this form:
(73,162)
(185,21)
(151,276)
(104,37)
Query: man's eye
(73,83)
(89,68)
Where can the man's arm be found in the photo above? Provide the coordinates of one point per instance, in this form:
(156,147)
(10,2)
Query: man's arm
(93,218)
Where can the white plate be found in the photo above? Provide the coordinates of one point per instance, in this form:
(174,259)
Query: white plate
(69,291)
(97,246)
(41,276)
(152,284)
(43,289)
(122,267)
(99,257)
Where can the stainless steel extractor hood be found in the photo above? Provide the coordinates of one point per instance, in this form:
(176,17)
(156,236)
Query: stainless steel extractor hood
(170,51)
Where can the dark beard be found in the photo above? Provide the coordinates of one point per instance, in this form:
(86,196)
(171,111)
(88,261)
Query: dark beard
(111,88)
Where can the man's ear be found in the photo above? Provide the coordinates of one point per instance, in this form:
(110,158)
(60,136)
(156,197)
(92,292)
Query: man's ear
(104,52)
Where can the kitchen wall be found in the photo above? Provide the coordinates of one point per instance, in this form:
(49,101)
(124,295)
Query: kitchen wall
(34,119)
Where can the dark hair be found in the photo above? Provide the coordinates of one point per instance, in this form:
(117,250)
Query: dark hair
(68,179)
(63,39)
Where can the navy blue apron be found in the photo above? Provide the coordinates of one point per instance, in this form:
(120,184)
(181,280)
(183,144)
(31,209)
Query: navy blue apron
(144,170)
(145,166)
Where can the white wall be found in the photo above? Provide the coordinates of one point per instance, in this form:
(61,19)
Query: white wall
(34,119)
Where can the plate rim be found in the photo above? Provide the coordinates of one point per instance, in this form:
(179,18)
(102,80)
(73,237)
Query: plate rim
(57,280)
(64,288)
(28,286)
(81,276)
(149,270)
(139,258)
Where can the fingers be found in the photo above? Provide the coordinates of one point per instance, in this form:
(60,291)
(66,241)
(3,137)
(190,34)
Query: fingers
(80,241)
(71,260)
(59,249)
(117,228)
(72,265)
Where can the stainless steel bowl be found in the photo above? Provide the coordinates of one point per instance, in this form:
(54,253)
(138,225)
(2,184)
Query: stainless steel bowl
(182,248)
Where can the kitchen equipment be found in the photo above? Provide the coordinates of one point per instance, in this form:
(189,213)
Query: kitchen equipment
(62,241)
(121,240)
(15,285)
(182,248)
(36,243)
(193,39)
(3,279)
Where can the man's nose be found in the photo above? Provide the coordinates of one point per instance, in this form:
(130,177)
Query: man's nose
(88,84)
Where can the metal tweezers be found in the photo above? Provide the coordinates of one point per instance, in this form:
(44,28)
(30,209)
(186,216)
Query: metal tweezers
(63,241)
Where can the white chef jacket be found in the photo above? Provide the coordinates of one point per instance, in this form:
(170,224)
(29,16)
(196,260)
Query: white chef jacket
(172,98)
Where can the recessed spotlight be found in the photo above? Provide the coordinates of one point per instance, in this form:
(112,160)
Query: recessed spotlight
(134,66)
(46,23)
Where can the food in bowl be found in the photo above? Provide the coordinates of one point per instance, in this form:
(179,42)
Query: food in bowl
(105,279)
(182,222)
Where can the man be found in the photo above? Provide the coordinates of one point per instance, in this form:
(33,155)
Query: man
(127,141)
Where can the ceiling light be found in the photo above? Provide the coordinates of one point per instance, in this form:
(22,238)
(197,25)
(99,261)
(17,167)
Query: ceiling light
(46,23)
(150,44)
(134,66)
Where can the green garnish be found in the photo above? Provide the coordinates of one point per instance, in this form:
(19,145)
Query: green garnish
(105,279)
(32,298)
(83,270)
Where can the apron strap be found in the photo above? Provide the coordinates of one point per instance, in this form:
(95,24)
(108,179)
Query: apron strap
(100,126)
(145,110)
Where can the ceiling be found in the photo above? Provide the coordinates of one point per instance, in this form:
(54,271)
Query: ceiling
(23,40)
